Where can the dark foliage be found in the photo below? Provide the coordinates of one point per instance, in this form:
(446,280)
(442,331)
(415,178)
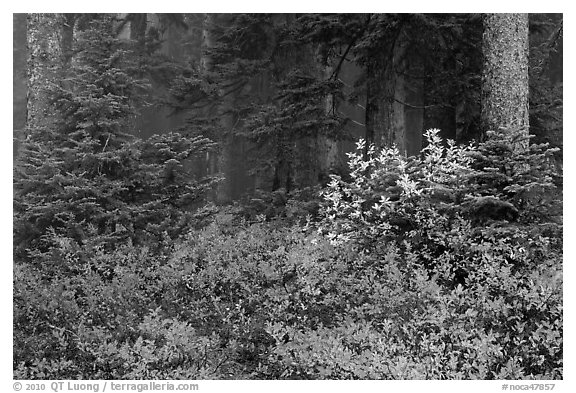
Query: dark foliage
(354,296)
(446,265)
(87,180)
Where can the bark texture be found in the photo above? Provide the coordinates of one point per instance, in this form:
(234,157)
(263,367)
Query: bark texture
(44,55)
(394,114)
(505,73)
(19,89)
(327,146)
(395,90)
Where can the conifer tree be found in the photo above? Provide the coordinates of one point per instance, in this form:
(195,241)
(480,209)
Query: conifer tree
(85,180)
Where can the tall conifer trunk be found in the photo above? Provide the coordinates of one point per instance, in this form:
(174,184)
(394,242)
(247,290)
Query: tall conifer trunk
(19,89)
(394,130)
(44,53)
(327,145)
(387,92)
(207,65)
(505,74)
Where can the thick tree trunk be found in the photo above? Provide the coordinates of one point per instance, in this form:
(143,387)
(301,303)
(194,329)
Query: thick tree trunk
(394,132)
(50,39)
(19,89)
(138,28)
(413,102)
(326,146)
(206,66)
(67,38)
(383,125)
(206,61)
(394,114)
(221,161)
(505,74)
(370,119)
(44,52)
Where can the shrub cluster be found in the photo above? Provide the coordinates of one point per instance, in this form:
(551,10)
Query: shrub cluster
(432,267)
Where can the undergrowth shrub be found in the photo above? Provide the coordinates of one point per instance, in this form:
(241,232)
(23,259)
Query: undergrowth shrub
(96,211)
(408,275)
(478,228)
(123,325)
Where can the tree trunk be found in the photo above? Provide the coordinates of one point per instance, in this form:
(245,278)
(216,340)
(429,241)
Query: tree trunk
(387,93)
(138,28)
(220,162)
(67,38)
(19,89)
(206,66)
(383,126)
(44,53)
(371,107)
(505,74)
(413,103)
(394,95)
(327,146)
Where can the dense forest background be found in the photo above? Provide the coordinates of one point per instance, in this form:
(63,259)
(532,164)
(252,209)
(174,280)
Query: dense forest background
(286,96)
(275,195)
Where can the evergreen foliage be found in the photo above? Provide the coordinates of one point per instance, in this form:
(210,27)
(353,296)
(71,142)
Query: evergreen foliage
(303,56)
(546,86)
(445,265)
(87,180)
(400,280)
(246,50)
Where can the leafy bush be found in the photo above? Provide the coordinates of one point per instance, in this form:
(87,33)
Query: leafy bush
(497,326)
(95,213)
(119,326)
(443,266)
(463,219)
(405,277)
